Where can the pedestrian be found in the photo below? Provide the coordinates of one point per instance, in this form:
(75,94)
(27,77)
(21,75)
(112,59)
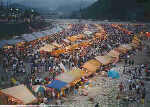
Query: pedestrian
(97,105)
(132,62)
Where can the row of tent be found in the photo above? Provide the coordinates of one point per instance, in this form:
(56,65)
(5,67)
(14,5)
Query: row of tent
(68,79)
(23,96)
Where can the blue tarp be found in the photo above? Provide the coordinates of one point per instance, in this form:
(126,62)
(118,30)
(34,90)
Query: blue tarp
(57,84)
(113,74)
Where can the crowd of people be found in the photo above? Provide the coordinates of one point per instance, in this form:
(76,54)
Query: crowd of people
(133,89)
(15,60)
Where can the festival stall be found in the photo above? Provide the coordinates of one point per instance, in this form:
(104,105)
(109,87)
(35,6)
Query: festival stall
(17,95)
(135,40)
(75,38)
(121,50)
(105,60)
(47,48)
(56,45)
(71,77)
(7,47)
(57,84)
(134,46)
(91,66)
(58,87)
(114,54)
(127,46)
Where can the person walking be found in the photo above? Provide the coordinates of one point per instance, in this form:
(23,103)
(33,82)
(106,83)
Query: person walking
(97,105)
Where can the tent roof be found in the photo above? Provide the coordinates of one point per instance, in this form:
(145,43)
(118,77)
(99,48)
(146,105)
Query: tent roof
(113,53)
(57,84)
(105,59)
(92,65)
(20,92)
(68,77)
(76,73)
(127,46)
(121,49)
(134,45)
(47,48)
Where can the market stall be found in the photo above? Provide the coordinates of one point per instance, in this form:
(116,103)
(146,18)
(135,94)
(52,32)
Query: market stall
(47,48)
(127,46)
(105,60)
(57,84)
(114,54)
(70,77)
(91,66)
(17,95)
(75,37)
(121,50)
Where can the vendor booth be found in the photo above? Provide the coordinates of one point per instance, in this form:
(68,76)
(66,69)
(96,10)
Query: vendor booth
(114,53)
(105,60)
(17,95)
(121,50)
(127,46)
(47,48)
(75,37)
(58,87)
(91,66)
(57,84)
(71,77)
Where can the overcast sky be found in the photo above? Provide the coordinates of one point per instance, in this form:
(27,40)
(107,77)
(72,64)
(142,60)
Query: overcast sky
(12,1)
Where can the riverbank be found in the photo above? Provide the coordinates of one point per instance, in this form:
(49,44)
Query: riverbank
(9,30)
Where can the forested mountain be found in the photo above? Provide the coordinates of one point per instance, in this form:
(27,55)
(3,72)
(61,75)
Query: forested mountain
(118,9)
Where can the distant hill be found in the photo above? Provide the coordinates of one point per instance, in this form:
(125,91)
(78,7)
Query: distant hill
(16,5)
(117,9)
(63,6)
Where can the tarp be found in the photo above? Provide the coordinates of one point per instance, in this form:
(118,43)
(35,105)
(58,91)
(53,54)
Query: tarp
(71,76)
(92,65)
(127,46)
(56,44)
(75,37)
(114,53)
(121,50)
(134,45)
(76,73)
(66,77)
(21,93)
(105,60)
(113,74)
(57,84)
(47,48)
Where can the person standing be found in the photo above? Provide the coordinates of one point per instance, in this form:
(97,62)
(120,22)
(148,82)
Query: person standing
(143,95)
(97,105)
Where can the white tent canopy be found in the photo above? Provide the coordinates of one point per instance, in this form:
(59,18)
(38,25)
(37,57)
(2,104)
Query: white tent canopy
(20,92)
(105,59)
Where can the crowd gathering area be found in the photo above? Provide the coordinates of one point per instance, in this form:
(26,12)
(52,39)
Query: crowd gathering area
(58,65)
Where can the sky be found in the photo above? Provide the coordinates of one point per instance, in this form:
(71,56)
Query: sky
(13,1)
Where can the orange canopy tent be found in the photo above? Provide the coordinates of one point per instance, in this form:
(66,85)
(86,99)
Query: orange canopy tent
(76,37)
(91,66)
